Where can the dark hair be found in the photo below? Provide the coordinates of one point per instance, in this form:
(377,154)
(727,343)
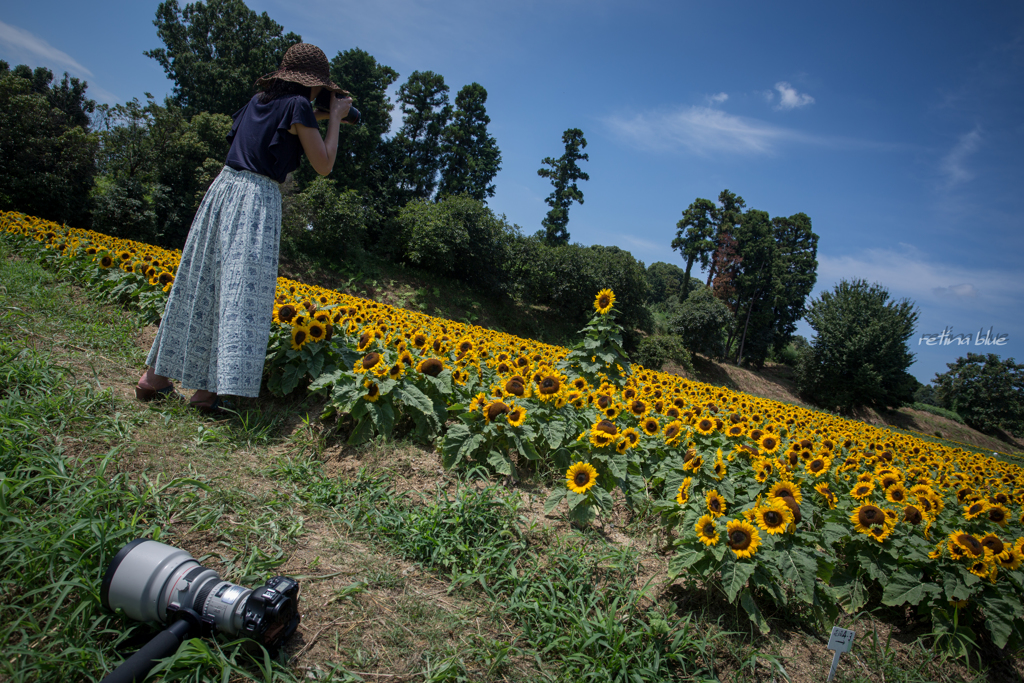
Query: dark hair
(279,88)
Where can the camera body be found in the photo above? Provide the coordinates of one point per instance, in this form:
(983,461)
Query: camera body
(323,103)
(152,581)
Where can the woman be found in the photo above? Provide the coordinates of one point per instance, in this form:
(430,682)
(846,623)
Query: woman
(216,325)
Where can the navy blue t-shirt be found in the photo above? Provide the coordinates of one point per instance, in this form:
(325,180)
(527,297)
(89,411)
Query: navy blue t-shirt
(260,141)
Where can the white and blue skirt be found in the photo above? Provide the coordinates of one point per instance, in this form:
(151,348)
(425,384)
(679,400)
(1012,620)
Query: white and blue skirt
(216,324)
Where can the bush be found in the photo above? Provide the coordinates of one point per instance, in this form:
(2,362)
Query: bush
(322,221)
(935,410)
(654,351)
(986,391)
(859,355)
(565,278)
(458,237)
(701,323)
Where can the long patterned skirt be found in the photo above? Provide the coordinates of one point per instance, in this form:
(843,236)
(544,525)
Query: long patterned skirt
(216,325)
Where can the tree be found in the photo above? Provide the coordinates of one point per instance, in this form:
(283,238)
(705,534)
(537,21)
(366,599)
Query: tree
(695,237)
(753,286)
(155,168)
(564,172)
(667,280)
(47,160)
(361,163)
(795,274)
(988,393)
(68,96)
(859,355)
(215,51)
(701,323)
(417,147)
(472,158)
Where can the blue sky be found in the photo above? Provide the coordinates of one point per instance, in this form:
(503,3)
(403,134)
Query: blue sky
(897,127)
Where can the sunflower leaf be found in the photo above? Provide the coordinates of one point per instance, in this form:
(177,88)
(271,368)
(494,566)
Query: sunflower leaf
(683,560)
(555,497)
(500,462)
(555,431)
(603,498)
(363,431)
(754,612)
(904,587)
(734,578)
(575,499)
(290,376)
(799,571)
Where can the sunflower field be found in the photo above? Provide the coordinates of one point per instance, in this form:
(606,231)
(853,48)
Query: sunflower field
(776,506)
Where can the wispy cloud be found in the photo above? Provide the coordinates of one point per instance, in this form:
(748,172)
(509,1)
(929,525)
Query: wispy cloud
(910,273)
(718,99)
(702,130)
(27,46)
(789,98)
(953,165)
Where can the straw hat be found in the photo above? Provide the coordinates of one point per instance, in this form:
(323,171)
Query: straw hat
(304,64)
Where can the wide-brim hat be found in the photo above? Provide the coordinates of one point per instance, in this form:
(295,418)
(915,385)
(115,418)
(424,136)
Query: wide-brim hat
(304,64)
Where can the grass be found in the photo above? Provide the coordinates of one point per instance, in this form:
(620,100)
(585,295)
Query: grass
(404,573)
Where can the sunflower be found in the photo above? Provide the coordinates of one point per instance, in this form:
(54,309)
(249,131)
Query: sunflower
(604,301)
(650,426)
(516,416)
(493,410)
(962,544)
(316,331)
(735,431)
(716,504)
(515,387)
(396,371)
(372,391)
(683,494)
(580,477)
(601,439)
(672,431)
(719,466)
(430,366)
(975,509)
(818,466)
(786,489)
(896,493)
(773,517)
(867,516)
(993,543)
(999,514)
(862,490)
(106,261)
(478,402)
(300,335)
(630,436)
(769,443)
(705,425)
(706,532)
(549,385)
(743,538)
(1011,558)
(912,514)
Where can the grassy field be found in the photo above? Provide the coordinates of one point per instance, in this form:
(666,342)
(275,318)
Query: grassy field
(408,573)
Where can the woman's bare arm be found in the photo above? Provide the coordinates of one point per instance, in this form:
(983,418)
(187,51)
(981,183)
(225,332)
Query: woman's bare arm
(322,152)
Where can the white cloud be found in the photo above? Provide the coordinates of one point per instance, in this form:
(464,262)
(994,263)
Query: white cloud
(702,130)
(953,164)
(909,273)
(789,98)
(29,47)
(718,99)
(961,291)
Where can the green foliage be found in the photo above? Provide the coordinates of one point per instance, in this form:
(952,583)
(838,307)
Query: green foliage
(47,158)
(215,51)
(565,278)
(361,164)
(416,151)
(935,410)
(859,355)
(457,236)
(599,355)
(326,222)
(986,391)
(701,323)
(654,351)
(472,158)
(155,167)
(695,237)
(668,281)
(564,172)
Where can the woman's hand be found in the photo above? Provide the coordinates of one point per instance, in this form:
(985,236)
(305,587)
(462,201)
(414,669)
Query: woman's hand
(340,106)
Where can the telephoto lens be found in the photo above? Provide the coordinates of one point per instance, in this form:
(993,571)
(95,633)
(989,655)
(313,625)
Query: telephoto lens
(323,103)
(154,582)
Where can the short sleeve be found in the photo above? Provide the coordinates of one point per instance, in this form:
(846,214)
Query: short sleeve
(236,117)
(300,111)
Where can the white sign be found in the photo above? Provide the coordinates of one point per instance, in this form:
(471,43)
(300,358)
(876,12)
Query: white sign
(840,641)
